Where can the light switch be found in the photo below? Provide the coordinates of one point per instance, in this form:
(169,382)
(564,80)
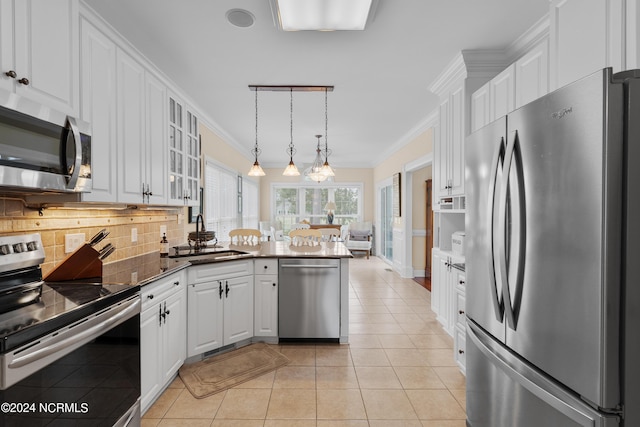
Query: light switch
(134,235)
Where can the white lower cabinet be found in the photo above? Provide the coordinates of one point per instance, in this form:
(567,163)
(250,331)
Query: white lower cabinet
(461,320)
(220,305)
(266,298)
(162,326)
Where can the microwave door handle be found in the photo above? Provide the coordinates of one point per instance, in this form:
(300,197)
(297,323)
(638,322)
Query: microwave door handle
(496,297)
(75,134)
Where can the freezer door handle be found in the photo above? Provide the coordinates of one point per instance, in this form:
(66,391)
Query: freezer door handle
(516,229)
(496,296)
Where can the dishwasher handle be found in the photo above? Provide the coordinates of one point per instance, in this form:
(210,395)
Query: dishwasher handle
(308,266)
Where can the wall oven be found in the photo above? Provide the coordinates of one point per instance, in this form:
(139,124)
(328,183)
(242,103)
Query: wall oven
(47,152)
(72,355)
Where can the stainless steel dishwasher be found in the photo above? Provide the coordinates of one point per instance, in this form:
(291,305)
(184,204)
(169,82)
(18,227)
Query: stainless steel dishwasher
(309,298)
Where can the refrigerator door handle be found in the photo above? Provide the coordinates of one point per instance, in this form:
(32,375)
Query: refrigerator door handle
(496,297)
(518,232)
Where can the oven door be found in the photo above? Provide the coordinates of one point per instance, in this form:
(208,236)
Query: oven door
(87,373)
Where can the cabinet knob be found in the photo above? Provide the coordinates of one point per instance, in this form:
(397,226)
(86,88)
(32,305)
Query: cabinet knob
(274,285)
(150,296)
(177,283)
(461,351)
(265,267)
(11,74)
(24,81)
(460,311)
(461,282)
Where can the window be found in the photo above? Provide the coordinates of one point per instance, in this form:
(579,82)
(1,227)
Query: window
(229,202)
(250,202)
(292,204)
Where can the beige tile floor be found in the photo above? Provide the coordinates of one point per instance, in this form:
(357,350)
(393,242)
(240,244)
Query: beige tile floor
(397,371)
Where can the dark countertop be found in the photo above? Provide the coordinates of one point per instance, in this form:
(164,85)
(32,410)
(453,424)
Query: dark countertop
(144,269)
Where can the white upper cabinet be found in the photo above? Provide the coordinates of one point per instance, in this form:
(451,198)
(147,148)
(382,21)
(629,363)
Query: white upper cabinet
(480,107)
(502,90)
(142,143)
(587,35)
(532,74)
(39,51)
(184,154)
(98,107)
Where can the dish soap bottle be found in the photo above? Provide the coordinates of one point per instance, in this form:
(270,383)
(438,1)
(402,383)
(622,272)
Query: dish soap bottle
(164,246)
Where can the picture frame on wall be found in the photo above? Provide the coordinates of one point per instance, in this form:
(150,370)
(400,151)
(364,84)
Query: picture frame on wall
(396,195)
(194,211)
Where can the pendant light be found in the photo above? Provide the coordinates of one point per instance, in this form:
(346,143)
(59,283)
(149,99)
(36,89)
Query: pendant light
(315,171)
(256,169)
(326,170)
(291,169)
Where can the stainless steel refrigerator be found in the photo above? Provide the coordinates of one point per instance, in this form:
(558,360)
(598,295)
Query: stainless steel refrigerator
(553,261)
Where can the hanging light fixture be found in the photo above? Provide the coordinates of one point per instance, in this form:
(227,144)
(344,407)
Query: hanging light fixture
(291,169)
(256,169)
(315,171)
(326,170)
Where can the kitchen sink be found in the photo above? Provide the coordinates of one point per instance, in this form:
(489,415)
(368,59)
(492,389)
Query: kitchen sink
(205,255)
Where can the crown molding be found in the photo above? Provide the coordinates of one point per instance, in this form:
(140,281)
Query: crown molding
(537,33)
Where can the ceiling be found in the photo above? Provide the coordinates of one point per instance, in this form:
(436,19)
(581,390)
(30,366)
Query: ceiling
(381,75)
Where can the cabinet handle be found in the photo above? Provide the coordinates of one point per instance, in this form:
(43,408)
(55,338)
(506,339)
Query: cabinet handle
(461,351)
(460,311)
(24,81)
(226,285)
(274,285)
(220,289)
(177,283)
(150,296)
(11,74)
(266,266)
(161,315)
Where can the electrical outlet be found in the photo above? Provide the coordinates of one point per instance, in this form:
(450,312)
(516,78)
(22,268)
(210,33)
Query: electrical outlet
(134,235)
(134,277)
(163,230)
(73,242)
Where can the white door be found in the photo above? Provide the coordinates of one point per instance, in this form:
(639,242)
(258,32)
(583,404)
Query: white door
(238,309)
(150,353)
(46,52)
(173,334)
(156,142)
(98,84)
(131,124)
(204,317)
(266,305)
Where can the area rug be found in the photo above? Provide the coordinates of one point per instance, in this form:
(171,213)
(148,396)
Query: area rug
(226,370)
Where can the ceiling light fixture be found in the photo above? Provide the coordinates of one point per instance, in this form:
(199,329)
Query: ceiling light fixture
(315,171)
(256,169)
(326,169)
(291,169)
(322,15)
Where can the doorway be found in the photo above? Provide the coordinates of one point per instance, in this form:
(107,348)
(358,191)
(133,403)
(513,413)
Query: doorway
(386,223)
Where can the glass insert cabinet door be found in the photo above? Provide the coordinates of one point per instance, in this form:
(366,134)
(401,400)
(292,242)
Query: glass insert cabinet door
(184,155)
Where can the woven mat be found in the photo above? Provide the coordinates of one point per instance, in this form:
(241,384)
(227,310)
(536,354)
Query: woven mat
(226,370)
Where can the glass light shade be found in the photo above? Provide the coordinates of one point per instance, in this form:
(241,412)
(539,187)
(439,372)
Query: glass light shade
(323,15)
(317,176)
(291,170)
(330,206)
(256,170)
(327,170)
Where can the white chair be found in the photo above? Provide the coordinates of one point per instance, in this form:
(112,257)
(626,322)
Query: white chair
(359,236)
(330,234)
(306,237)
(245,236)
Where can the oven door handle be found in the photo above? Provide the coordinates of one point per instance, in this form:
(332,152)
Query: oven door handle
(81,334)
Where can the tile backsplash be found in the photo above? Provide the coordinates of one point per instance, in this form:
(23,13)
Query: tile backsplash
(54,224)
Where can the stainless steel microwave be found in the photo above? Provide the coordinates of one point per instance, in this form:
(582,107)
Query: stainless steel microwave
(51,153)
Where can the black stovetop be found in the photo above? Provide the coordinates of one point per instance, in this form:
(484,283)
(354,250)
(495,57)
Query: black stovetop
(59,305)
